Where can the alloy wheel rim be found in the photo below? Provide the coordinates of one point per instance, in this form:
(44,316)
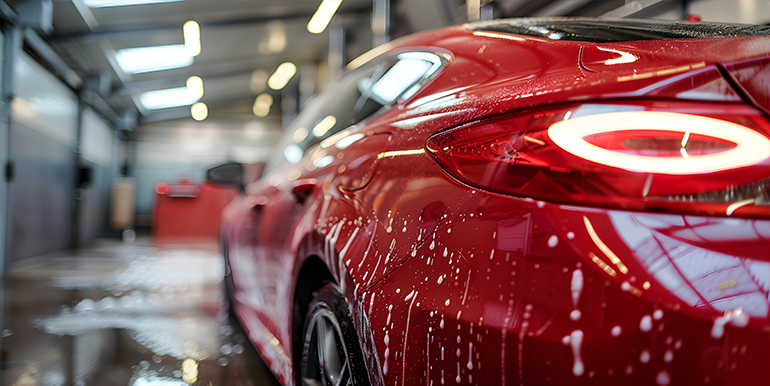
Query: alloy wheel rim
(324,358)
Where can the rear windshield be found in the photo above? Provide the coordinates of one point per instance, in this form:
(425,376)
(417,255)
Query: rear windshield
(617,30)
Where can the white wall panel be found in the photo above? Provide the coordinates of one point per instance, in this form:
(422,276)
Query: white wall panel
(43,103)
(732,11)
(97,142)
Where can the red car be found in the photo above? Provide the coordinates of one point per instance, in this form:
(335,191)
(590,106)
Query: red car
(535,201)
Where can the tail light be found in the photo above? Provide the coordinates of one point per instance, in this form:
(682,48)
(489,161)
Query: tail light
(661,156)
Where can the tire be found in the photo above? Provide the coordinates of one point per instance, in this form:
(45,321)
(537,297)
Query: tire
(331,354)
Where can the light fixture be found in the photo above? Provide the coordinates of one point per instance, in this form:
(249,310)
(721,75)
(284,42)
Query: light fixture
(192,37)
(282,75)
(122,3)
(155,58)
(195,86)
(322,16)
(199,111)
(171,97)
(262,105)
(750,146)
(324,126)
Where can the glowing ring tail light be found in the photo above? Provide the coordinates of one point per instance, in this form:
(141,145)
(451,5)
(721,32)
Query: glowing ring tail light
(750,147)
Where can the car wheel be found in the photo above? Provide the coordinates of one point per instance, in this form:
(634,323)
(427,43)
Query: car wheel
(331,354)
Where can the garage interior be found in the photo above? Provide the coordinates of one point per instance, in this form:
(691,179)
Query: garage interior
(104,280)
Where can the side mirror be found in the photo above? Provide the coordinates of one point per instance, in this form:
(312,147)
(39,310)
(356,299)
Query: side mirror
(228,174)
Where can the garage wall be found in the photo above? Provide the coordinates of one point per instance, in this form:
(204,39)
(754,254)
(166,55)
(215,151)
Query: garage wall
(98,151)
(165,151)
(43,136)
(732,11)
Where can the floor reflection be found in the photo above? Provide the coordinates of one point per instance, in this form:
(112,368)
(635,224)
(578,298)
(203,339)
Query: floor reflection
(123,314)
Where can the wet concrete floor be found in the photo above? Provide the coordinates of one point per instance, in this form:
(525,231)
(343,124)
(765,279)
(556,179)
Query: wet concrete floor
(123,314)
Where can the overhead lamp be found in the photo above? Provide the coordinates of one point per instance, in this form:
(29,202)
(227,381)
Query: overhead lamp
(195,86)
(155,58)
(282,75)
(262,105)
(192,37)
(199,111)
(322,16)
(324,126)
(164,99)
(122,3)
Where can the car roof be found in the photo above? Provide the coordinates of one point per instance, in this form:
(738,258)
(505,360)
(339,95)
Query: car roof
(616,30)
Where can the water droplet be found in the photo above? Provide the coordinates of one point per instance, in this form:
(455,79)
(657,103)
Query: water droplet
(432,245)
(668,356)
(658,314)
(575,315)
(663,378)
(646,323)
(616,331)
(644,357)
(445,251)
(570,235)
(446,303)
(576,342)
(553,241)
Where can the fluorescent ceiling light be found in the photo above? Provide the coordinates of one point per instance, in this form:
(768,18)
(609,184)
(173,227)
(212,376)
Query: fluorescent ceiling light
(121,3)
(192,37)
(199,111)
(172,97)
(322,16)
(324,126)
(282,75)
(195,86)
(262,105)
(157,58)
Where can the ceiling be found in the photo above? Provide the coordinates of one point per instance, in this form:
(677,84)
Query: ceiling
(241,37)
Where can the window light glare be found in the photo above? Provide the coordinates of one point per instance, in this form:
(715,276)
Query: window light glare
(156,58)
(282,76)
(122,3)
(171,97)
(262,105)
(402,75)
(324,126)
(192,37)
(199,111)
(322,16)
(195,86)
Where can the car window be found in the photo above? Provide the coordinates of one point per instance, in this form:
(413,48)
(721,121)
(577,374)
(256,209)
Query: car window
(357,95)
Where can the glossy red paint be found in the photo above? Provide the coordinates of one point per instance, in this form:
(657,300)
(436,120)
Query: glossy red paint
(453,284)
